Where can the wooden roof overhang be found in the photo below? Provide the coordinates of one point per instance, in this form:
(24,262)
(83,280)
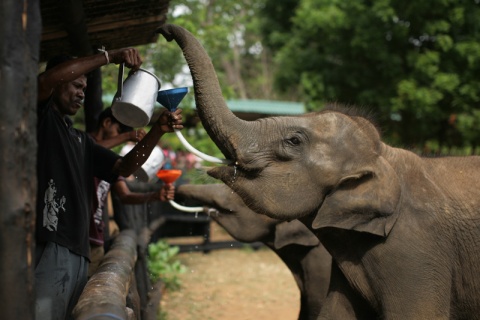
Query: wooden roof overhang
(75,26)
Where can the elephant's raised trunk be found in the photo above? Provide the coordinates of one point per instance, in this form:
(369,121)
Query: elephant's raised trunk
(220,123)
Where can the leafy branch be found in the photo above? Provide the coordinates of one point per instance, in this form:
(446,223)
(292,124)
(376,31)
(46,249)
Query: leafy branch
(163,264)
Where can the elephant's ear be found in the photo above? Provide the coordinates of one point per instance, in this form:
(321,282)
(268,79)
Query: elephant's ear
(365,201)
(294,232)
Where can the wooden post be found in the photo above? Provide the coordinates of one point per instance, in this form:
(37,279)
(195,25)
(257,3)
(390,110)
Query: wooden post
(20,27)
(106,292)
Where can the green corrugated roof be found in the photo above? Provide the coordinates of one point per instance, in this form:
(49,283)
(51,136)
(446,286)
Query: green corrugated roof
(266,107)
(251,106)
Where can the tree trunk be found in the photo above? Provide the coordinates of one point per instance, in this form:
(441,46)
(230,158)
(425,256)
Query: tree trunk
(20,39)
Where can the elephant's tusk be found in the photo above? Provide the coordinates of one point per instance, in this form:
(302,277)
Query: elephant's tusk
(183,208)
(200,154)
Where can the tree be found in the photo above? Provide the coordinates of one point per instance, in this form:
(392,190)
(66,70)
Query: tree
(20,33)
(229,32)
(414,63)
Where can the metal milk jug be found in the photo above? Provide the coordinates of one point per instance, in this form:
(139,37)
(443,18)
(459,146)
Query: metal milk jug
(135,99)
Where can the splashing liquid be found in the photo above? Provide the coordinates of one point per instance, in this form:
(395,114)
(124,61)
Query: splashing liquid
(234,172)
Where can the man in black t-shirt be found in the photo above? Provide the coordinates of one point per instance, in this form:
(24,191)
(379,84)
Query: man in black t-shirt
(67,162)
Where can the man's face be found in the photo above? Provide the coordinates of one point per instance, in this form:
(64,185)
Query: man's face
(69,97)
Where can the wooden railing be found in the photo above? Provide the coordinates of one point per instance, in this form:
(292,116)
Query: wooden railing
(121,287)
(105,294)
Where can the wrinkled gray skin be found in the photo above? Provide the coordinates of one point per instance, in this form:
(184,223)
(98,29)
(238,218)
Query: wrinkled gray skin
(404,231)
(295,244)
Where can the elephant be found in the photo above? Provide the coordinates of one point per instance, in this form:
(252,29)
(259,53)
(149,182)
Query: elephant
(403,229)
(294,244)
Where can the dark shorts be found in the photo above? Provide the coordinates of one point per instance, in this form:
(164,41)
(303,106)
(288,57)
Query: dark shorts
(60,276)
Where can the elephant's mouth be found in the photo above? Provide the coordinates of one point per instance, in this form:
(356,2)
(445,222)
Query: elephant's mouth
(234,172)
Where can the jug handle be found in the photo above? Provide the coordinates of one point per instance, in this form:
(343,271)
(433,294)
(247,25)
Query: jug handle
(121,70)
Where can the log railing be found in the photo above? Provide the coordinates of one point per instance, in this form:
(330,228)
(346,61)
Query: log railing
(105,294)
(121,287)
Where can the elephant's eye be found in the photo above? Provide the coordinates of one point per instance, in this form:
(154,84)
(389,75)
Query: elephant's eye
(294,141)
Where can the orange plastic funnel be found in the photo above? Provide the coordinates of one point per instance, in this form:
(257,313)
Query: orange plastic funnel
(169,176)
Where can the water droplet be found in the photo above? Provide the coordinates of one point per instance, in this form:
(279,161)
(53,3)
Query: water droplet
(196,215)
(234,173)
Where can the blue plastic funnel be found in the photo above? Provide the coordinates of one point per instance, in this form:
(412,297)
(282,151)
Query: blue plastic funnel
(171,98)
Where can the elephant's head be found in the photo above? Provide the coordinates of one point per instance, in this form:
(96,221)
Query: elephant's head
(327,166)
(245,225)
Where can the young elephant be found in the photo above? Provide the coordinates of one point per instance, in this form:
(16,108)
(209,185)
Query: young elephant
(297,246)
(403,230)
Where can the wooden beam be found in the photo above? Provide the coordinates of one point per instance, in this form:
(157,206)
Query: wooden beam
(105,25)
(106,291)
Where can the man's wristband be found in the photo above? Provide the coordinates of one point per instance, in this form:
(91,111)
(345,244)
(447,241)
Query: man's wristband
(105,52)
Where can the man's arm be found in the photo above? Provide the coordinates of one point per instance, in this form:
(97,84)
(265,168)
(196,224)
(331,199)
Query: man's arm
(167,192)
(72,69)
(167,122)
(135,136)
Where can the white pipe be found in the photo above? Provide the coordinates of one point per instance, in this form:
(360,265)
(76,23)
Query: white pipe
(200,154)
(183,208)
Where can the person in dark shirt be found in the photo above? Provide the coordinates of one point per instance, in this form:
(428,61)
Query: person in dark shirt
(110,133)
(68,160)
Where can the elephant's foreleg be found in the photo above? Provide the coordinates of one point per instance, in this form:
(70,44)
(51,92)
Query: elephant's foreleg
(343,302)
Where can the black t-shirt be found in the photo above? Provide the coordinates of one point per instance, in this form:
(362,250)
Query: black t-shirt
(67,162)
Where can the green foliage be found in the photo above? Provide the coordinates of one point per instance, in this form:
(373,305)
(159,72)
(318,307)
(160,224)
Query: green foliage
(229,32)
(162,315)
(415,63)
(198,176)
(163,264)
(468,124)
(248,248)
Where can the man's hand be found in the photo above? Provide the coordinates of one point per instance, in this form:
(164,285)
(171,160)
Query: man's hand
(129,56)
(168,121)
(167,192)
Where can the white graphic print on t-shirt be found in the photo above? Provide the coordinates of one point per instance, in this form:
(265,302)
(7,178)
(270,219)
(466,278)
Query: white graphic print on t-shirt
(102,192)
(50,211)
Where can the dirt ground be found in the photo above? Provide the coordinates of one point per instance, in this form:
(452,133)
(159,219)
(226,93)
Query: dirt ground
(231,284)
